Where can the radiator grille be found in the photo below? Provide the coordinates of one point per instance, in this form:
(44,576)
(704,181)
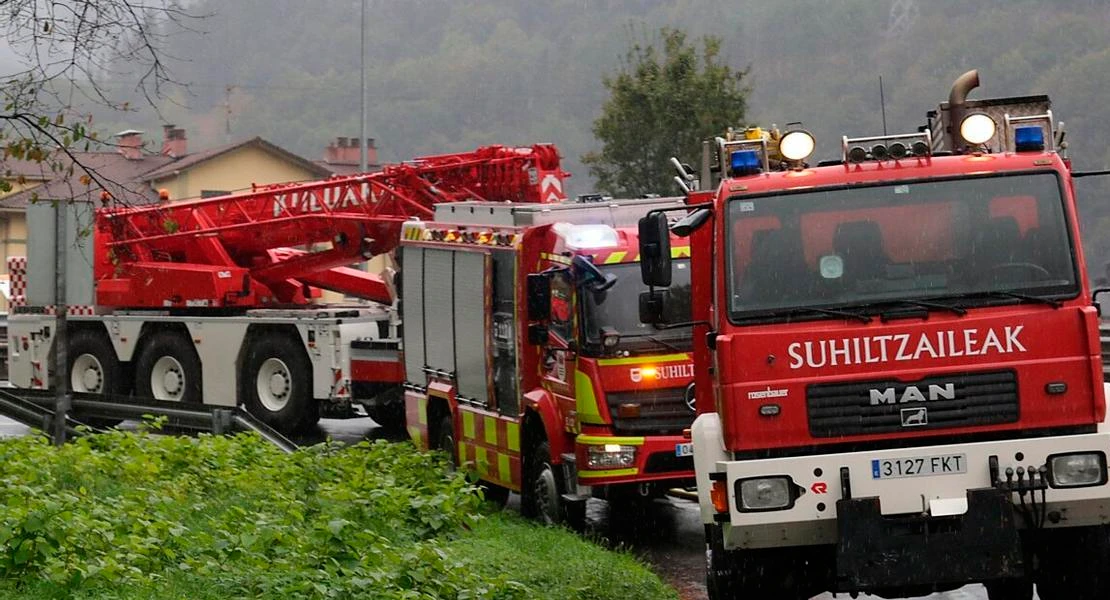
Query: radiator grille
(867,407)
(661,411)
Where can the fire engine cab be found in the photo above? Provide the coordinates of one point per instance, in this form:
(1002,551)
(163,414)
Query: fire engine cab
(897,362)
(524,362)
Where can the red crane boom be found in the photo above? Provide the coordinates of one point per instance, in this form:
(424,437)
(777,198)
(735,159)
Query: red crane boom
(236,250)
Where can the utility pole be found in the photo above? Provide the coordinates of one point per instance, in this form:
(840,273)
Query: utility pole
(60,374)
(362,150)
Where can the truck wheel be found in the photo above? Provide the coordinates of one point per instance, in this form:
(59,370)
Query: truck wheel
(720,567)
(93,365)
(541,490)
(168,369)
(1074,564)
(94,368)
(278,384)
(1009,589)
(388,410)
(445,440)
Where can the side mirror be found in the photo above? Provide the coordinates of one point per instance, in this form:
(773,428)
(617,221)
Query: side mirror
(651,308)
(537,334)
(691,222)
(1094,299)
(539,297)
(655,250)
(587,273)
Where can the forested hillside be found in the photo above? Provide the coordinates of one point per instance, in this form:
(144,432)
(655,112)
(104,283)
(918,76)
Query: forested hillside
(454,74)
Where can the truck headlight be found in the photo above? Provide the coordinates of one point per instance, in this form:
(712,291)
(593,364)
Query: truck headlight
(765,493)
(1080,469)
(610,456)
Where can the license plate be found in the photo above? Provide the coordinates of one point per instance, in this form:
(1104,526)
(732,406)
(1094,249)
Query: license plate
(918,466)
(686,449)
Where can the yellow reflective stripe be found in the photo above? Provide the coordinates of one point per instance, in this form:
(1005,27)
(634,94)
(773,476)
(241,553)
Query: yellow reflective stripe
(588,410)
(599,440)
(512,431)
(461,456)
(640,360)
(422,410)
(468,424)
(680,252)
(414,434)
(482,458)
(615,257)
(609,473)
(491,430)
(503,467)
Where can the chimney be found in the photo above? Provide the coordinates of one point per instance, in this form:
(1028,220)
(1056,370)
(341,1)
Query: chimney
(173,142)
(130,144)
(345,151)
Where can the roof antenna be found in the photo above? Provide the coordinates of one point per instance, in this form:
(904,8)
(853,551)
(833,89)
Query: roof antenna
(882,103)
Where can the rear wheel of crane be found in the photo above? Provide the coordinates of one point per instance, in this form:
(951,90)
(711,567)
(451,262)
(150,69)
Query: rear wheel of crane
(168,369)
(278,384)
(94,369)
(540,496)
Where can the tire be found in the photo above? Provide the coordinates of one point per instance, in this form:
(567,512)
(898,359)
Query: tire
(720,567)
(277,383)
(388,410)
(168,369)
(542,488)
(1075,564)
(94,368)
(1009,589)
(445,440)
(766,574)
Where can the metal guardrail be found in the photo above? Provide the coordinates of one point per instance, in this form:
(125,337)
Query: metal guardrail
(35,408)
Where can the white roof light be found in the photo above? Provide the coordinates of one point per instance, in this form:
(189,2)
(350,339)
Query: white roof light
(977,128)
(796,145)
(588,236)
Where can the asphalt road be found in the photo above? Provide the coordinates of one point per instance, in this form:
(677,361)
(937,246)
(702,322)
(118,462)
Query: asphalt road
(668,535)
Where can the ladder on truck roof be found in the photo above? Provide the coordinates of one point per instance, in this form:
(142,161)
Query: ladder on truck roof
(607,211)
(236,250)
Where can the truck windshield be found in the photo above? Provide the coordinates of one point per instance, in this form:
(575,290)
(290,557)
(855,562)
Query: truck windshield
(616,308)
(966,241)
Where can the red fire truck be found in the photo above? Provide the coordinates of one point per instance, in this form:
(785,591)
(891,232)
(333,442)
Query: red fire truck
(525,362)
(212,300)
(897,362)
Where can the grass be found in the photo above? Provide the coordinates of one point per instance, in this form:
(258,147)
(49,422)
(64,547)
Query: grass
(135,516)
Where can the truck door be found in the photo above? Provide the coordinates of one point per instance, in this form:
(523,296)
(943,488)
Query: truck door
(503,333)
(561,351)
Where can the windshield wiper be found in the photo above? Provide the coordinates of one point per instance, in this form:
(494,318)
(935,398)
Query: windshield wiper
(832,312)
(1015,296)
(958,310)
(655,339)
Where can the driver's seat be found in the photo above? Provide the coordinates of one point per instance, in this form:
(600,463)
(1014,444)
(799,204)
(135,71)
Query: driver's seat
(997,243)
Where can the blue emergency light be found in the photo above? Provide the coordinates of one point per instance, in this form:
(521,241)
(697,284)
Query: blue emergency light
(1029,138)
(745,162)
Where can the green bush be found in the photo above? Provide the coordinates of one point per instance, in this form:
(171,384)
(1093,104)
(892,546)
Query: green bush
(125,515)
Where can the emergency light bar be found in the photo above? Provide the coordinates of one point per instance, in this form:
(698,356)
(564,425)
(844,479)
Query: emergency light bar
(884,147)
(742,163)
(1037,137)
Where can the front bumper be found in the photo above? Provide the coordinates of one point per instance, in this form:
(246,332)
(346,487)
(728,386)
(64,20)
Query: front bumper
(656,458)
(823,481)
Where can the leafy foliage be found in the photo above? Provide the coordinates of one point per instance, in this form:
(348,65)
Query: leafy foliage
(663,103)
(125,515)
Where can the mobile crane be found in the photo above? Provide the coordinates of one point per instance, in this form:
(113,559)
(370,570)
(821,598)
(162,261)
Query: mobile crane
(210,301)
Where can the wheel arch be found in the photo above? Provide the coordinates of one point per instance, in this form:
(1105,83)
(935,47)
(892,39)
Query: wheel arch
(541,421)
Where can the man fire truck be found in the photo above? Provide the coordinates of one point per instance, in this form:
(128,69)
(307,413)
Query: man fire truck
(526,363)
(207,301)
(897,362)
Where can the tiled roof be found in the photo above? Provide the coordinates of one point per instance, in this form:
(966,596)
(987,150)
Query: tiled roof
(191,160)
(119,175)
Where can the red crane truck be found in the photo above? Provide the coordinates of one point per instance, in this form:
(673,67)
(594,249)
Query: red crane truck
(526,363)
(897,362)
(211,300)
